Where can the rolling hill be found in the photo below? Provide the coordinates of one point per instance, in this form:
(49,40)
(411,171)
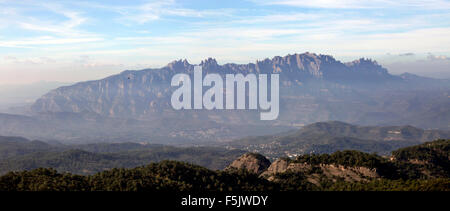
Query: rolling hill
(21,154)
(329,137)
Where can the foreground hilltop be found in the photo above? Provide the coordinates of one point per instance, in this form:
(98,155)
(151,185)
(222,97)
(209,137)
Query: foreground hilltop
(428,160)
(423,167)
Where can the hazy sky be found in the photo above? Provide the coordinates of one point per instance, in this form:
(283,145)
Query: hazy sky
(83,40)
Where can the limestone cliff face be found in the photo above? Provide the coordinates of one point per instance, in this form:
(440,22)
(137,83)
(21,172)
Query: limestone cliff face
(284,165)
(280,165)
(254,163)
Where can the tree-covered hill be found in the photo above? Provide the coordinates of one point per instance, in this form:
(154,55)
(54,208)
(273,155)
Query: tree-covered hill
(19,154)
(344,170)
(14,146)
(432,157)
(162,176)
(178,176)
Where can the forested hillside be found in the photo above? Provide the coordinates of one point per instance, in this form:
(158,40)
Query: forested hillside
(17,154)
(343,170)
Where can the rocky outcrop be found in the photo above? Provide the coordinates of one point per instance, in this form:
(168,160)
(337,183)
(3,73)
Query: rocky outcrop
(283,165)
(279,165)
(313,172)
(349,173)
(258,164)
(252,162)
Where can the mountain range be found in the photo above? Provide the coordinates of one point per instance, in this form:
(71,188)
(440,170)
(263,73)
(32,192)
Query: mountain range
(135,104)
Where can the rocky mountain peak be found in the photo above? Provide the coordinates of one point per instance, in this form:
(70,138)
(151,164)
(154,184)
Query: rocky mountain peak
(366,65)
(209,62)
(362,61)
(179,64)
(295,59)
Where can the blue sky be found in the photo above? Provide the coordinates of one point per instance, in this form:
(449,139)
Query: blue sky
(84,40)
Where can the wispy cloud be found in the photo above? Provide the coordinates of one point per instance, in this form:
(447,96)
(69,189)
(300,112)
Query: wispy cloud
(117,35)
(361,4)
(65,23)
(45,41)
(31,60)
(155,10)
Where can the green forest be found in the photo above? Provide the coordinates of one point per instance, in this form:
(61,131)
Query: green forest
(419,168)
